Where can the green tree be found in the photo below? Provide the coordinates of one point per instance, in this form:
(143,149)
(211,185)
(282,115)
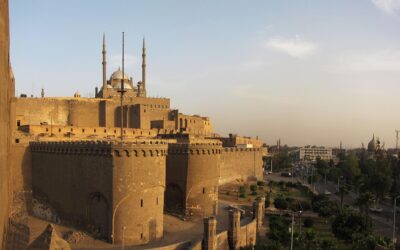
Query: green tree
(350,168)
(343,190)
(279,229)
(364,202)
(349,222)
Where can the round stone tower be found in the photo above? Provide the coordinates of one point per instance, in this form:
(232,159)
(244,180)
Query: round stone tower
(138,191)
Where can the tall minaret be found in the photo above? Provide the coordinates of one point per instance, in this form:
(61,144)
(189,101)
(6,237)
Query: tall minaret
(104,64)
(144,67)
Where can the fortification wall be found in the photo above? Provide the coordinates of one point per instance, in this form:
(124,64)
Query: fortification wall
(39,110)
(193,170)
(138,191)
(5,95)
(21,174)
(240,163)
(86,132)
(84,114)
(75,179)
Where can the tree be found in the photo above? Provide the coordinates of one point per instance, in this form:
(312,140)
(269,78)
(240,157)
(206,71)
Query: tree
(280,202)
(369,242)
(364,202)
(279,229)
(349,222)
(350,167)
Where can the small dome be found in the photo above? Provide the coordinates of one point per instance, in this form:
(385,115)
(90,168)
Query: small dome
(117,75)
(372,145)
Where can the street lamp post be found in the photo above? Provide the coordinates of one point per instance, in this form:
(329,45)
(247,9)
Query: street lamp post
(394,218)
(291,238)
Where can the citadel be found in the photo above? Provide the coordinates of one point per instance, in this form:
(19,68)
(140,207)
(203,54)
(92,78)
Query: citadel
(116,166)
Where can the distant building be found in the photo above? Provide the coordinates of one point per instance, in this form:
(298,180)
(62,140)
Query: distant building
(313,153)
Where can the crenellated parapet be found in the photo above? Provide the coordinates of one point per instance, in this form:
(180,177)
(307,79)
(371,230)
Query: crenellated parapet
(143,148)
(211,148)
(72,147)
(138,148)
(238,150)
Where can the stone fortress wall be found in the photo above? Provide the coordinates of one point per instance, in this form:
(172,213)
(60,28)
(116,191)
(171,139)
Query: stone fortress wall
(6,92)
(140,112)
(67,153)
(192,178)
(102,187)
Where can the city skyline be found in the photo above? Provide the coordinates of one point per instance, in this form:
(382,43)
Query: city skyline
(329,73)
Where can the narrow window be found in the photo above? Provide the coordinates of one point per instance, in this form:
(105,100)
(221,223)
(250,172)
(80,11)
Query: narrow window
(204,190)
(157,201)
(18,123)
(141,203)
(141,236)
(59,130)
(83,130)
(17,140)
(47,129)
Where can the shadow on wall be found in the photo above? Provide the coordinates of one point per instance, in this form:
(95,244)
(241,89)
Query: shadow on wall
(174,198)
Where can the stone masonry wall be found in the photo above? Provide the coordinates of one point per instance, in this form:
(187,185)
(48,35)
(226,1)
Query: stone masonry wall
(5,96)
(240,163)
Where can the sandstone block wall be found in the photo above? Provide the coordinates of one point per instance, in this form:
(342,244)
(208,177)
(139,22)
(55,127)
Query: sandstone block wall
(110,189)
(192,178)
(240,163)
(138,191)
(5,96)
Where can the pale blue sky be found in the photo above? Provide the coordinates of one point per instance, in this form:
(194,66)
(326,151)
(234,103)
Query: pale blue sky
(305,71)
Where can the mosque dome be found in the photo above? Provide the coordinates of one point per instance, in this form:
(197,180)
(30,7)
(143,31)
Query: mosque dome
(117,75)
(372,145)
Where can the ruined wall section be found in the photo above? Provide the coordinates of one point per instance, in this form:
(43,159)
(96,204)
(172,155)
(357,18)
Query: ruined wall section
(75,180)
(5,96)
(138,191)
(194,168)
(241,163)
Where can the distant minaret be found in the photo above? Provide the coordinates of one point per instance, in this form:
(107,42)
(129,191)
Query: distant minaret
(42,93)
(104,63)
(144,67)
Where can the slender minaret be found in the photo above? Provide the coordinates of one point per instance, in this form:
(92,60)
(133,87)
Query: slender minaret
(144,67)
(104,63)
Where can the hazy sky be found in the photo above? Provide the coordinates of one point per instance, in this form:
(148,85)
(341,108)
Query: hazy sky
(305,71)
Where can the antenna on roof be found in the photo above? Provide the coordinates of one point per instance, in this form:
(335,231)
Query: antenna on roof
(122,89)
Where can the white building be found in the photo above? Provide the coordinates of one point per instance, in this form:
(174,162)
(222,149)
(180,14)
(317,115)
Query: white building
(313,153)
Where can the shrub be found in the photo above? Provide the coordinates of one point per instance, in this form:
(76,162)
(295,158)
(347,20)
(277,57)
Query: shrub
(242,189)
(308,222)
(323,206)
(260,183)
(254,193)
(242,195)
(253,187)
(280,202)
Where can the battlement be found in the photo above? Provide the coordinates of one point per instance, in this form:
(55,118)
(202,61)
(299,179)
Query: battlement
(236,150)
(136,148)
(195,148)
